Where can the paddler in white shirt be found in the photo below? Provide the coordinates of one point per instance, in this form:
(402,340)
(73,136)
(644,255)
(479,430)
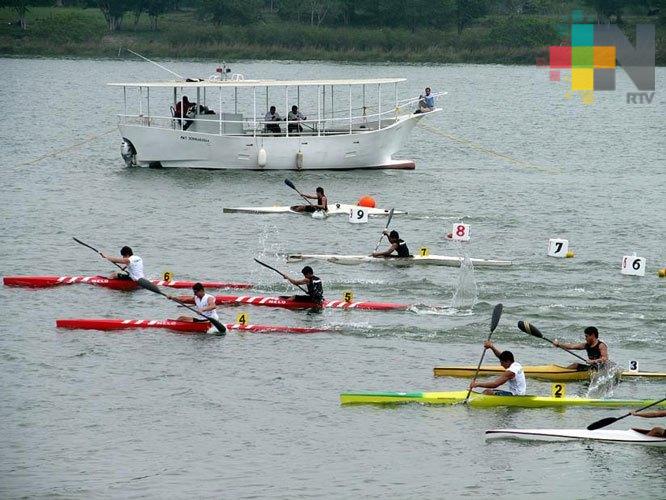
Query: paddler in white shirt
(203,302)
(133,264)
(322,202)
(513,377)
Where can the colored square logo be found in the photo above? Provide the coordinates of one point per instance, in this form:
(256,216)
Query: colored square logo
(604,79)
(582,79)
(582,57)
(582,35)
(560,57)
(604,57)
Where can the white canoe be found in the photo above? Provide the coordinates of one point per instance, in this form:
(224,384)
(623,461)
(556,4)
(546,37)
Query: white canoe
(333,209)
(631,436)
(433,260)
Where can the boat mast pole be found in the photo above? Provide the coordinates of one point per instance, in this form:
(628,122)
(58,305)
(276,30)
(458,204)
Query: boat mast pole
(350,110)
(323,104)
(219,112)
(286,107)
(379,111)
(124,103)
(318,112)
(254,108)
(148,104)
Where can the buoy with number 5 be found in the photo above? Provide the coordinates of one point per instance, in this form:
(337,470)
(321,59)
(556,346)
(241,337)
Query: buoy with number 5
(367,201)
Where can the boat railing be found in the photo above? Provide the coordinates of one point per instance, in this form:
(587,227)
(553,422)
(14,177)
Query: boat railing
(237,124)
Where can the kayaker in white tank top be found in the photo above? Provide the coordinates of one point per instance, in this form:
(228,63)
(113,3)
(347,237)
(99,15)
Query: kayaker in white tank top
(513,377)
(204,303)
(133,264)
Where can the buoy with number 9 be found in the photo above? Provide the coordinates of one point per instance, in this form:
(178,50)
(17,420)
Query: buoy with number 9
(367,201)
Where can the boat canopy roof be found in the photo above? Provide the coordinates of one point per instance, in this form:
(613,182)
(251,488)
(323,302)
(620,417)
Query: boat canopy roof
(259,83)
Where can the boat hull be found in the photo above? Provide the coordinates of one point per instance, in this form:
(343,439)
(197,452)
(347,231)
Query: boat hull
(479,400)
(333,209)
(371,149)
(552,373)
(288,303)
(104,324)
(432,260)
(630,436)
(115,284)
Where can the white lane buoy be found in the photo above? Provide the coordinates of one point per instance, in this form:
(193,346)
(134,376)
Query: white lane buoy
(558,247)
(632,265)
(299,159)
(262,157)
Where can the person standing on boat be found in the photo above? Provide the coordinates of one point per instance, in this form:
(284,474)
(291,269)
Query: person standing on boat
(655,431)
(313,283)
(397,245)
(597,351)
(133,264)
(513,375)
(204,303)
(271,117)
(295,116)
(322,202)
(426,102)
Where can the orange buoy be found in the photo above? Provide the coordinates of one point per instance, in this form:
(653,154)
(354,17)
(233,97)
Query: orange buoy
(366,201)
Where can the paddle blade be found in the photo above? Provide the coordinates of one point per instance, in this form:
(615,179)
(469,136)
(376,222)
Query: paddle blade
(290,184)
(602,423)
(497,314)
(220,327)
(530,329)
(144,283)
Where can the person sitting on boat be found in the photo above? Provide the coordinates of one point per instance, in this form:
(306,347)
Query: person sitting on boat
(271,117)
(426,102)
(655,431)
(597,351)
(133,264)
(184,109)
(513,375)
(322,202)
(204,303)
(295,116)
(313,283)
(397,245)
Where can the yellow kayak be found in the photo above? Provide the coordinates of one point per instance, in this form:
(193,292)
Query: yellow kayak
(484,401)
(553,373)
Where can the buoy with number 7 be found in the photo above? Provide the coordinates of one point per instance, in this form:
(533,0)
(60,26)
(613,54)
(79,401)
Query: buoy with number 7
(632,265)
(558,247)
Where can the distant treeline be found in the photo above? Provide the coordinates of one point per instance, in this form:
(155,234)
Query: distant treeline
(513,31)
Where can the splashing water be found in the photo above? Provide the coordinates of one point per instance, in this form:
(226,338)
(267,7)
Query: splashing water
(466,294)
(604,381)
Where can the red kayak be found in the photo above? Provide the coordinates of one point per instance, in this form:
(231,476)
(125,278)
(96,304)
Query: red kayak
(289,303)
(178,326)
(115,284)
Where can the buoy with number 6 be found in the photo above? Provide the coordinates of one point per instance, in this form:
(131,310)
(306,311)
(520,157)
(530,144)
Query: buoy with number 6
(367,201)
(632,265)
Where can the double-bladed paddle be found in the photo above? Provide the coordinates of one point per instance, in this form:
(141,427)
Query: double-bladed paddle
(534,332)
(388,221)
(280,273)
(144,283)
(292,186)
(97,251)
(609,420)
(497,314)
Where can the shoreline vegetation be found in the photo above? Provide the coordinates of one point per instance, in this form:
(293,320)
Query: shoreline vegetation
(492,36)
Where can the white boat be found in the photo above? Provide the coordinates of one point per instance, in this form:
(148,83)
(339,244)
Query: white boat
(350,123)
(433,260)
(631,436)
(333,209)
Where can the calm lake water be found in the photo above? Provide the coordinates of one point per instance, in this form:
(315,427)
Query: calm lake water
(150,413)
